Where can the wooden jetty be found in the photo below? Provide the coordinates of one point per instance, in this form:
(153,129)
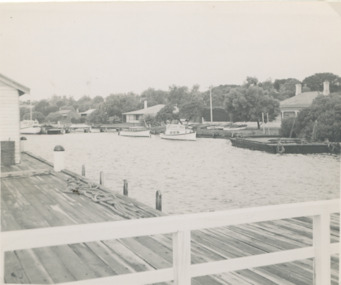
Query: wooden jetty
(53,235)
(284,145)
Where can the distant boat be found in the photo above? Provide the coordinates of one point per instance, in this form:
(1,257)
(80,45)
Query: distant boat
(52,129)
(30,127)
(178,132)
(80,128)
(215,127)
(135,132)
(235,127)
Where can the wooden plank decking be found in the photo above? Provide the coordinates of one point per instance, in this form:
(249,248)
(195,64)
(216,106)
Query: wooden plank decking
(39,200)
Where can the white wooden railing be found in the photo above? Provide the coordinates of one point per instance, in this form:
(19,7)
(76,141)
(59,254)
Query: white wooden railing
(181,227)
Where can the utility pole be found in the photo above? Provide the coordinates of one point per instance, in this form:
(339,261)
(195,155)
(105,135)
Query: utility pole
(211,104)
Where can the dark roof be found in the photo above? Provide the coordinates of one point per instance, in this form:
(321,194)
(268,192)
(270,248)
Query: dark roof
(302,100)
(21,88)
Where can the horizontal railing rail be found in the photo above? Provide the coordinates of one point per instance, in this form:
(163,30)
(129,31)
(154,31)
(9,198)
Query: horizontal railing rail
(181,226)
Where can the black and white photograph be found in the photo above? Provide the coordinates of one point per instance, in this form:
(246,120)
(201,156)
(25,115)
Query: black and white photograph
(160,142)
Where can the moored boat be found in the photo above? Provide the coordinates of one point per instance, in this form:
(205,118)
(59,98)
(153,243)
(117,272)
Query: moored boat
(52,129)
(135,132)
(178,132)
(30,127)
(83,128)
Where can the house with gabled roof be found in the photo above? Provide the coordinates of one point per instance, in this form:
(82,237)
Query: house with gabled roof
(136,116)
(293,105)
(10,91)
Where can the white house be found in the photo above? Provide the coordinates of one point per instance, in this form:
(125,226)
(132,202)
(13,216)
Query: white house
(10,117)
(136,116)
(292,106)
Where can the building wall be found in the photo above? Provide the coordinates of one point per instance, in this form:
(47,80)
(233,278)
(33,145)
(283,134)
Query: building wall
(10,117)
(133,118)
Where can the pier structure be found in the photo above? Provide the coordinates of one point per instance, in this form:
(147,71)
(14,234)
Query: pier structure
(53,232)
(284,145)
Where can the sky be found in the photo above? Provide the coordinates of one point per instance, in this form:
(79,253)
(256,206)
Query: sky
(77,49)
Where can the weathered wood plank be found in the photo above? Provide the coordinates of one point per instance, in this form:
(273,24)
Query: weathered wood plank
(53,265)
(78,267)
(147,254)
(108,256)
(96,265)
(14,272)
(128,257)
(25,173)
(33,268)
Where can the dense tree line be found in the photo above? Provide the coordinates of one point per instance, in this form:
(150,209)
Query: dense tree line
(245,102)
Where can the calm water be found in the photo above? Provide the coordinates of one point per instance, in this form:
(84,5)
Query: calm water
(205,175)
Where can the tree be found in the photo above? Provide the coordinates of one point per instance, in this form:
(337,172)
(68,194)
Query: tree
(248,104)
(84,103)
(219,114)
(167,113)
(117,104)
(23,111)
(322,120)
(192,111)
(154,97)
(99,116)
(315,82)
(251,81)
(54,117)
(35,116)
(149,120)
(97,100)
(178,96)
(287,88)
(218,95)
(287,127)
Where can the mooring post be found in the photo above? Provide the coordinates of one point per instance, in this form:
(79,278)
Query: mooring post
(58,155)
(125,187)
(101,178)
(83,170)
(158,200)
(23,144)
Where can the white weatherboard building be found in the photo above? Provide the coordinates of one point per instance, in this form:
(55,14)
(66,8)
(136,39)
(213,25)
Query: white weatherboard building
(10,115)
(136,116)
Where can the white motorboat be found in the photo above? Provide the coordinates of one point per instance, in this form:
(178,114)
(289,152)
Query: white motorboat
(30,127)
(178,132)
(135,132)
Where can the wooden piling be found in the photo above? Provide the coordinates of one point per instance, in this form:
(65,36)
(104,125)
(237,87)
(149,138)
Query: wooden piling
(83,170)
(101,178)
(158,200)
(125,187)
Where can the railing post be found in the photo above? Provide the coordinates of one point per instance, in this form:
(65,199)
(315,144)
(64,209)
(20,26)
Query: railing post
(58,161)
(125,187)
(182,257)
(321,242)
(101,178)
(158,200)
